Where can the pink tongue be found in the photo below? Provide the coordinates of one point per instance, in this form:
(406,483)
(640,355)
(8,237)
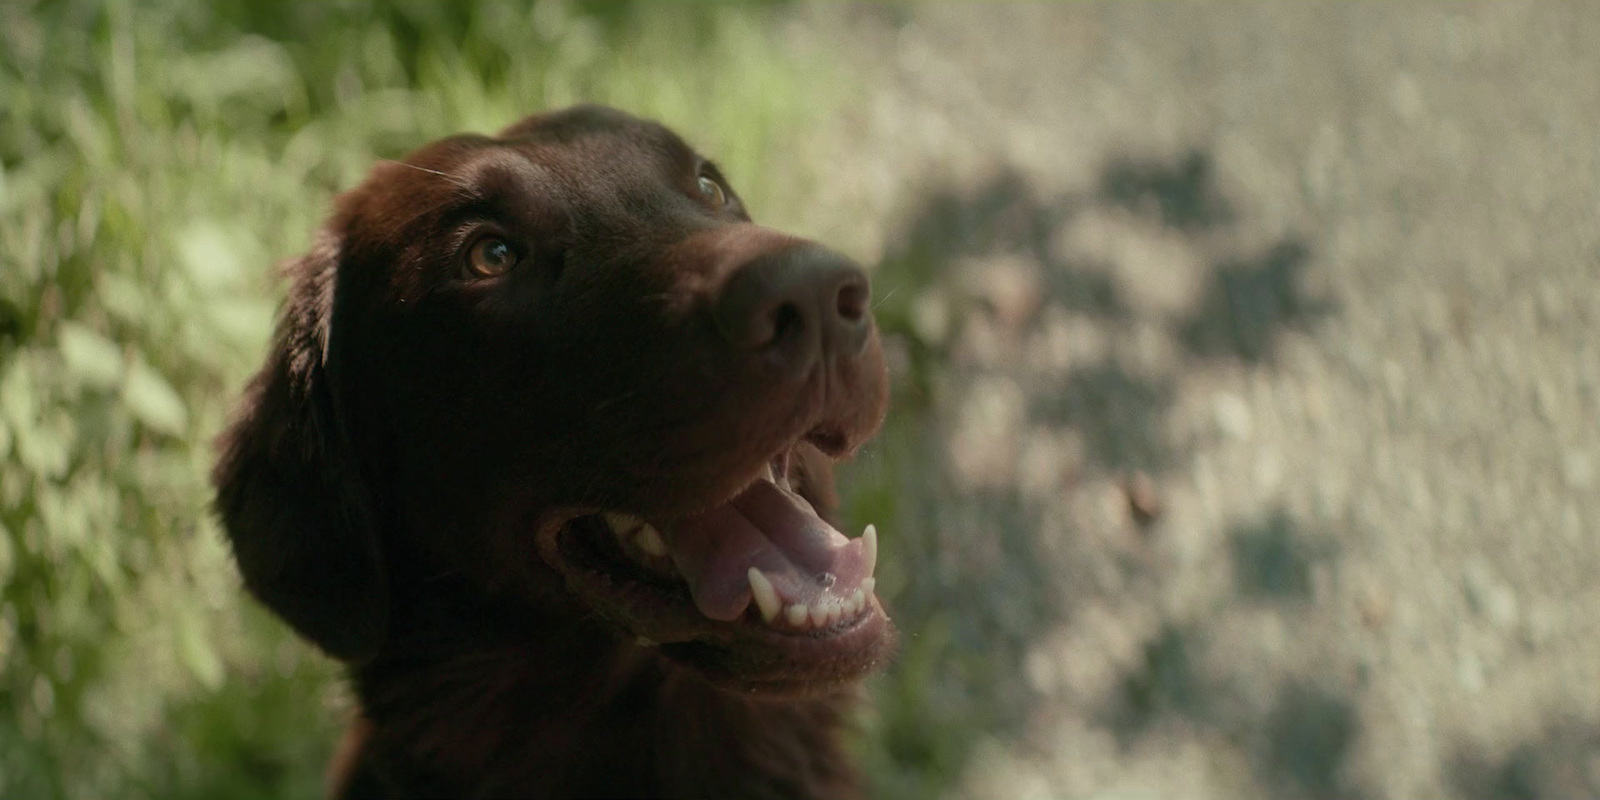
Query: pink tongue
(773,530)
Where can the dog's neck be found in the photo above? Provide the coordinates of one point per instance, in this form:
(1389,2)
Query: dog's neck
(468,687)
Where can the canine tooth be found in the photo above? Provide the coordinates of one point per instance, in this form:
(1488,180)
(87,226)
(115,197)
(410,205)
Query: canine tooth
(858,601)
(869,547)
(650,541)
(620,523)
(796,614)
(766,596)
(868,585)
(766,473)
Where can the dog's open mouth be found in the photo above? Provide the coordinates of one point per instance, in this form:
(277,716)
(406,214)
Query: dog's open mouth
(765,547)
(764,560)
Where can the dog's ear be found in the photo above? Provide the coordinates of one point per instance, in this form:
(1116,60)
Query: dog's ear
(289,487)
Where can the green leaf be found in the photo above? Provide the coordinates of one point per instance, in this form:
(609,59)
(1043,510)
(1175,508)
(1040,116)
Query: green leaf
(162,470)
(123,296)
(253,68)
(46,447)
(19,400)
(196,652)
(153,401)
(65,523)
(210,256)
(7,560)
(91,357)
(244,321)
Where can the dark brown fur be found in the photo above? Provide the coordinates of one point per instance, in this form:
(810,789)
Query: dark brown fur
(403,480)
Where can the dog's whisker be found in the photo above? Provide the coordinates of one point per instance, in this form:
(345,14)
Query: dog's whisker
(457,181)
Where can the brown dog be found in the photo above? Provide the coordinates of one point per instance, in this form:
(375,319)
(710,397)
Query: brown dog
(543,450)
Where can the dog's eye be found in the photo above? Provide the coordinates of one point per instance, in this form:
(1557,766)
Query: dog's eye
(491,256)
(712,193)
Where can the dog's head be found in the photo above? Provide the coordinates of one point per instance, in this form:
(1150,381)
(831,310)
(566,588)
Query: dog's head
(563,365)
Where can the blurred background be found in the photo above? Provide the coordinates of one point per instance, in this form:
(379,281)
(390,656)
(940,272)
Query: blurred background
(1247,368)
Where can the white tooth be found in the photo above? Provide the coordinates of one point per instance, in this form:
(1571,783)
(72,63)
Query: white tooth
(650,541)
(766,596)
(819,614)
(766,473)
(796,614)
(869,547)
(620,523)
(858,601)
(868,585)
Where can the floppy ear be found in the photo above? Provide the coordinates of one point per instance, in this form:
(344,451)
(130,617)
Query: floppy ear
(289,488)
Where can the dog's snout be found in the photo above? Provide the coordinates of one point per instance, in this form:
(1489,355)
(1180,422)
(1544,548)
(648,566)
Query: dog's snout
(798,305)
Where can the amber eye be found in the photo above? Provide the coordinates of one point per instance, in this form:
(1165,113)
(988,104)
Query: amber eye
(712,192)
(491,256)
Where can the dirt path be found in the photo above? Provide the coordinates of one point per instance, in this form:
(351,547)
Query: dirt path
(1247,441)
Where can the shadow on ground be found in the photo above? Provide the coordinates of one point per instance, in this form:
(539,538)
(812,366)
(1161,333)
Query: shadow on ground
(1272,561)
(1296,747)
(1182,194)
(1250,303)
(1001,428)
(1562,761)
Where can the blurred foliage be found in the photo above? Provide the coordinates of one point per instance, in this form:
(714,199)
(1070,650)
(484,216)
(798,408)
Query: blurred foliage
(155,159)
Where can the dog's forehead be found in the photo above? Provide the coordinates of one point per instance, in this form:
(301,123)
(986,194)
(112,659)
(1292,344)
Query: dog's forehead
(595,158)
(597,141)
(590,122)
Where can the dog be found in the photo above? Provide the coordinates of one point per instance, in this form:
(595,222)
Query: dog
(542,451)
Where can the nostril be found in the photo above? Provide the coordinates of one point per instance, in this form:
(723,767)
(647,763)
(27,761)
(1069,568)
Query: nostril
(787,321)
(852,300)
(795,306)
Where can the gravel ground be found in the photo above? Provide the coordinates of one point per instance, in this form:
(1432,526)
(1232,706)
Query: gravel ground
(1250,375)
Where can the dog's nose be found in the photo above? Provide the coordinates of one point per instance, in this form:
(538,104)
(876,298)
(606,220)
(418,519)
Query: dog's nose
(797,305)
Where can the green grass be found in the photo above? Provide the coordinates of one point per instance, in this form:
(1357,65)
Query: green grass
(155,159)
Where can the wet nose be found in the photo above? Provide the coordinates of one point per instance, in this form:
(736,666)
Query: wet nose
(796,306)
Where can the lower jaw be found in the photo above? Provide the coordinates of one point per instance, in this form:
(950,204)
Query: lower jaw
(788,667)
